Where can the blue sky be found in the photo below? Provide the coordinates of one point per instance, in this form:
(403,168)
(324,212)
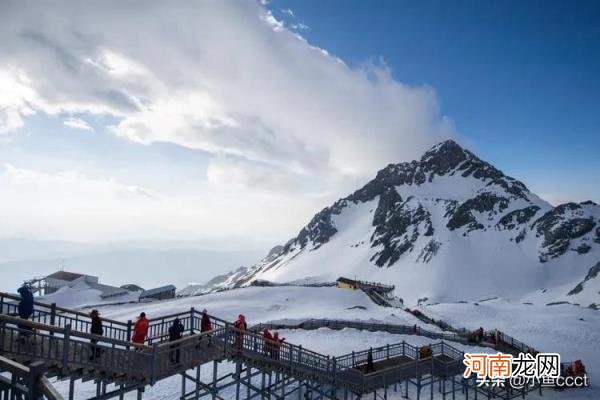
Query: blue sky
(246,119)
(519,79)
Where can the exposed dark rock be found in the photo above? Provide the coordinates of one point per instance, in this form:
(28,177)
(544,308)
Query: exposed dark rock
(583,248)
(485,202)
(397,227)
(592,273)
(558,228)
(517,217)
(429,251)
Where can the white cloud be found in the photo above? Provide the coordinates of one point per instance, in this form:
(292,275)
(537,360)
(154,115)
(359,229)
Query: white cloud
(230,79)
(73,206)
(300,26)
(77,123)
(288,11)
(274,112)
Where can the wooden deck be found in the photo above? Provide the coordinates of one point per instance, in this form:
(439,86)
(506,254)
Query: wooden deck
(67,352)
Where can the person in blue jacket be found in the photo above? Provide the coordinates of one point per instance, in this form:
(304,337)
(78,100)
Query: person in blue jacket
(25,307)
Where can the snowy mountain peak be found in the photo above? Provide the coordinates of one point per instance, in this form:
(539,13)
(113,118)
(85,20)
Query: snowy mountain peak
(431,226)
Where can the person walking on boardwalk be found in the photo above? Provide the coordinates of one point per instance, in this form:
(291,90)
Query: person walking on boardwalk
(140,329)
(268,343)
(96,329)
(205,324)
(241,327)
(25,309)
(175,333)
(277,345)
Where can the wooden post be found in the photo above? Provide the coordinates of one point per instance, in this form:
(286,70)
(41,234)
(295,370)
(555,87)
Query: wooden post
(36,371)
(71,389)
(197,394)
(215,370)
(53,314)
(192,313)
(154,362)
(65,354)
(129,326)
(183,385)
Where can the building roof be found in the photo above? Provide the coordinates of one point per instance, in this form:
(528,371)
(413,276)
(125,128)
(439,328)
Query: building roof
(346,280)
(65,276)
(108,291)
(152,292)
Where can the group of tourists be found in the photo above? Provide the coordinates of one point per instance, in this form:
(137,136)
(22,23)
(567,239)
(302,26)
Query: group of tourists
(272,344)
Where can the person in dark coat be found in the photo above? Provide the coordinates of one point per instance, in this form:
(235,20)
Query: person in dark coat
(96,329)
(175,333)
(370,364)
(25,308)
(205,324)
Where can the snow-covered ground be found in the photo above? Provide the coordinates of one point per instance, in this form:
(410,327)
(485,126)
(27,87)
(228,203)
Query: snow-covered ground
(81,295)
(571,331)
(266,304)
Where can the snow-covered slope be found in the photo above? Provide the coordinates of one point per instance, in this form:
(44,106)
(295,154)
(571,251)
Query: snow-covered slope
(447,227)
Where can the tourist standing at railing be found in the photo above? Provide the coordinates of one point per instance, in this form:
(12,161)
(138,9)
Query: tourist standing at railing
(277,345)
(25,309)
(268,344)
(140,329)
(175,333)
(205,324)
(241,327)
(370,364)
(96,329)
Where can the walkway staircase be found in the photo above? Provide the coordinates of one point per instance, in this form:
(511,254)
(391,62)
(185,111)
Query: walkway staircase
(58,337)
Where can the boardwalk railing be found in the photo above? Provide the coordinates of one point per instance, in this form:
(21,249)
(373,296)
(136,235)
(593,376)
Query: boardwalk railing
(366,326)
(25,381)
(69,352)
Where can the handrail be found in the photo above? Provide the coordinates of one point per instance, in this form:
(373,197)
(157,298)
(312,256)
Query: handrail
(377,326)
(59,308)
(230,343)
(62,330)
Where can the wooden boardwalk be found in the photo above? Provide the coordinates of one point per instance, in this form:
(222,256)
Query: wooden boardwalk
(59,338)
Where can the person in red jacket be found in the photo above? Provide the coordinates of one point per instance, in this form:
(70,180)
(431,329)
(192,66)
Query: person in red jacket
(268,343)
(140,330)
(241,326)
(277,345)
(205,324)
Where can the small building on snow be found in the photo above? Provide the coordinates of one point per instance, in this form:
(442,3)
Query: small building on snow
(61,279)
(159,293)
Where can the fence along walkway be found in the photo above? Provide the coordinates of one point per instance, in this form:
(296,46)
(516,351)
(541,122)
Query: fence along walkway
(66,350)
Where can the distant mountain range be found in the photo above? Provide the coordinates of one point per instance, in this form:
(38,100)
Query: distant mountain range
(447,227)
(147,265)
